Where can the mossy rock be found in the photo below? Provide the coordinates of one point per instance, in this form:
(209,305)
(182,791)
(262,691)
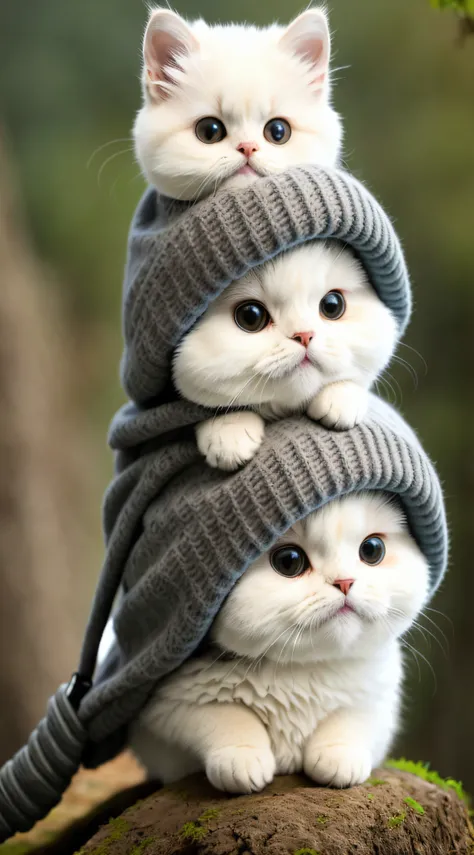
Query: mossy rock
(394,813)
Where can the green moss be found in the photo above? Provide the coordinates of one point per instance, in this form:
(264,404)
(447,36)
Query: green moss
(423,771)
(196,830)
(322,819)
(415,805)
(305,852)
(193,831)
(140,848)
(211,813)
(375,782)
(370,796)
(397,820)
(117,828)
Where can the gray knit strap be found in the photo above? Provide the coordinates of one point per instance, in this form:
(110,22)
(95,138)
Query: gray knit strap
(178,264)
(32,783)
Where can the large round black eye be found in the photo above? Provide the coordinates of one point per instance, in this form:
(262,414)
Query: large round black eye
(277,131)
(333,305)
(372,550)
(210,130)
(289,561)
(251,317)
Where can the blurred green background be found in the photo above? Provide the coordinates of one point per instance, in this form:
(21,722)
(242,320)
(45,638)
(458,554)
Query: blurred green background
(69,89)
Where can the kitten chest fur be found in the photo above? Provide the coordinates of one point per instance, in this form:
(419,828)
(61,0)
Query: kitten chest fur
(290,700)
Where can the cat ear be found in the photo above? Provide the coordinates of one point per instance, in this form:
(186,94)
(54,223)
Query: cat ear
(167,38)
(308,37)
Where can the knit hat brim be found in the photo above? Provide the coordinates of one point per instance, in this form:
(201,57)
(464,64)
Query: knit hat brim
(182,256)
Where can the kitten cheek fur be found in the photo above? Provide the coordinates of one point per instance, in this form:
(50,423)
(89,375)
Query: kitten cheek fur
(196,71)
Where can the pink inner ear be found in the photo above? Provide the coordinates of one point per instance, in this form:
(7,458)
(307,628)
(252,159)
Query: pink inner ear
(162,54)
(319,80)
(312,49)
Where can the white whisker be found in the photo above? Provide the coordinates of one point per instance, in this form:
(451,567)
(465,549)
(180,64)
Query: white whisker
(105,145)
(417,353)
(109,160)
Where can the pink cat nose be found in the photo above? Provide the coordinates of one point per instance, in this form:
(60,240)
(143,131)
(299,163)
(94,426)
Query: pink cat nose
(344,585)
(248,148)
(303,338)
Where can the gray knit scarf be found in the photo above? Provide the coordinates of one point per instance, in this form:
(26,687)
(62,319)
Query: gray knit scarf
(180,534)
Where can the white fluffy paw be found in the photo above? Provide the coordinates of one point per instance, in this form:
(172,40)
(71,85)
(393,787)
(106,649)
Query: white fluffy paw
(229,441)
(240,768)
(340,405)
(337,765)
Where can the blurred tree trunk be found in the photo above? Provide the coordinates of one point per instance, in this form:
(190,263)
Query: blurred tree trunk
(42,488)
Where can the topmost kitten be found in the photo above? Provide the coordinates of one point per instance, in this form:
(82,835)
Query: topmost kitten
(226,104)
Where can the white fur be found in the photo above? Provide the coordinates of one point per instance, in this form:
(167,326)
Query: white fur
(308,687)
(245,77)
(220,365)
(106,642)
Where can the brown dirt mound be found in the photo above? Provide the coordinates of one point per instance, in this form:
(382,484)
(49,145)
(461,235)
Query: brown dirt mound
(392,814)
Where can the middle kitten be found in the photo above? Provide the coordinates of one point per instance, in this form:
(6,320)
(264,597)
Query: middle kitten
(305,332)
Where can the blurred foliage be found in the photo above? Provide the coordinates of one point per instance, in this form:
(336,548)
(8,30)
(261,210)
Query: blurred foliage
(69,89)
(466,7)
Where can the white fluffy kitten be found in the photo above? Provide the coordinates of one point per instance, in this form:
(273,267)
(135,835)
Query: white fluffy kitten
(225,104)
(305,332)
(313,678)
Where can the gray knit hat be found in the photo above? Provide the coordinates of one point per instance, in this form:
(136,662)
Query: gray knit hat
(179,534)
(181,256)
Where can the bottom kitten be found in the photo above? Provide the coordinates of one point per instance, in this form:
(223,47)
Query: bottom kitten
(305,668)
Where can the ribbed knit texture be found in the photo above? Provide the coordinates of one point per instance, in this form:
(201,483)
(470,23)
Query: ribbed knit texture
(181,256)
(180,534)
